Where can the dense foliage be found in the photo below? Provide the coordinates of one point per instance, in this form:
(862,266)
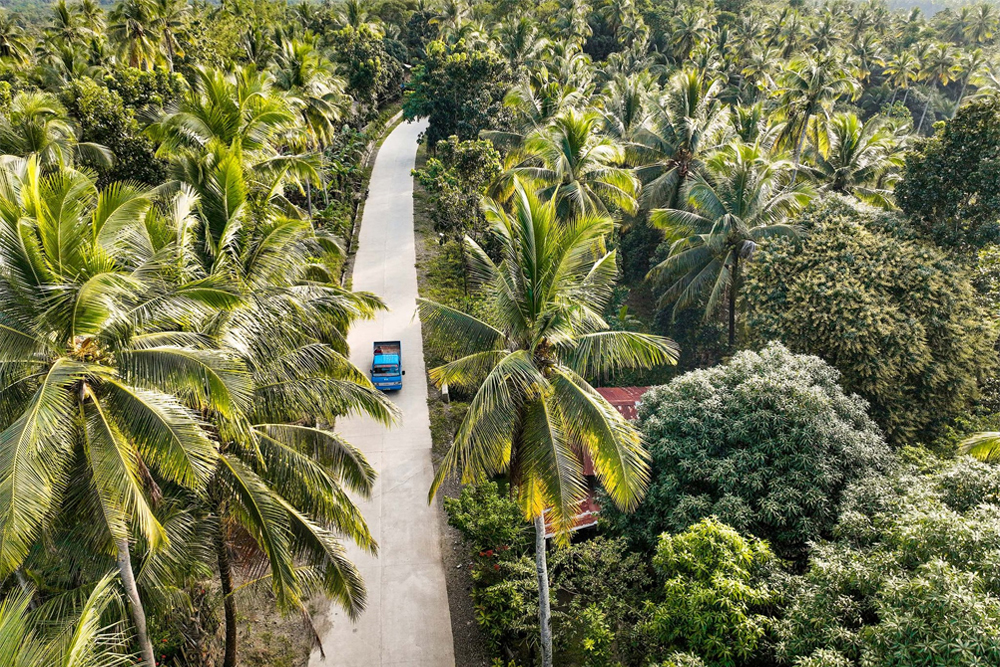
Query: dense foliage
(911,577)
(179,187)
(949,183)
(765,442)
(898,318)
(716,594)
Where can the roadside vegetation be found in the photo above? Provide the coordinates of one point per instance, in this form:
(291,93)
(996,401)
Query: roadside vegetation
(782,217)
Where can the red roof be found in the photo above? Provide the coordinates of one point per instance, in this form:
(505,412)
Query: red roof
(586,515)
(626,399)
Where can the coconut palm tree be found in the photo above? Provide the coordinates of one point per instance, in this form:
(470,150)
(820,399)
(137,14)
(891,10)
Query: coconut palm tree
(578,168)
(743,197)
(862,158)
(901,70)
(66,26)
(87,638)
(528,366)
(310,80)
(279,494)
(13,43)
(169,18)
(969,66)
(808,87)
(982,23)
(689,121)
(36,124)
(520,42)
(938,67)
(626,103)
(132,27)
(95,373)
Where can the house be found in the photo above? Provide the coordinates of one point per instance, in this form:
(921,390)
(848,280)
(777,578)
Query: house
(626,400)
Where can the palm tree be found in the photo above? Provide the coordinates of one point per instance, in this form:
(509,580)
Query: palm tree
(311,82)
(94,370)
(578,168)
(527,365)
(85,639)
(625,104)
(807,87)
(36,124)
(969,66)
(939,66)
(689,29)
(91,16)
(133,28)
(743,197)
(281,484)
(982,24)
(519,42)
(862,158)
(902,69)
(66,26)
(689,121)
(169,18)
(13,44)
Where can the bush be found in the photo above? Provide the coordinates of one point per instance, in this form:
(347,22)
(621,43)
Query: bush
(766,442)
(912,578)
(715,594)
(600,589)
(897,318)
(488,520)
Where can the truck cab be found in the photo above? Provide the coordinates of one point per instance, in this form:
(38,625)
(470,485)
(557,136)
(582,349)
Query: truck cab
(387,365)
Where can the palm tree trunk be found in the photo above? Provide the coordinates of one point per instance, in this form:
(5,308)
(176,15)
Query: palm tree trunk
(228,602)
(732,301)
(798,149)
(544,609)
(920,125)
(906,94)
(124,562)
(25,585)
(961,96)
(309,198)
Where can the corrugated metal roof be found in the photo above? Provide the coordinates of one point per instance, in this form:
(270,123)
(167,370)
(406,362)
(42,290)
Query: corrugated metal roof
(625,399)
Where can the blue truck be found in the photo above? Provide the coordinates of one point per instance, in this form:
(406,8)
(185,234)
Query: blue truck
(387,365)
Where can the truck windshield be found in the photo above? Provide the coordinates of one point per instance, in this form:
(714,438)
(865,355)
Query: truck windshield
(385,370)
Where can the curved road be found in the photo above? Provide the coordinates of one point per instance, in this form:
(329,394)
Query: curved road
(407,622)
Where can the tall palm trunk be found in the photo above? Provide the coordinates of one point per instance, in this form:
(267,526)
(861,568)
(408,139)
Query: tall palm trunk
(920,125)
(798,149)
(544,608)
(906,94)
(124,562)
(732,300)
(228,603)
(961,96)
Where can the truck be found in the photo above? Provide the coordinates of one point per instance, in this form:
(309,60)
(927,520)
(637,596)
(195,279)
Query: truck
(387,365)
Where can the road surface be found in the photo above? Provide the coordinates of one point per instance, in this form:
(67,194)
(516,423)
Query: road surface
(407,622)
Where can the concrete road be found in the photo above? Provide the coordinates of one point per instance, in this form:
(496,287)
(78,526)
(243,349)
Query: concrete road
(407,621)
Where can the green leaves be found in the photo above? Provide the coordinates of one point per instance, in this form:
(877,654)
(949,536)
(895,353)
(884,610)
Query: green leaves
(532,416)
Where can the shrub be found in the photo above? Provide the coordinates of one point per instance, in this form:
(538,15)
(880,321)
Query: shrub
(715,594)
(766,442)
(897,318)
(911,579)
